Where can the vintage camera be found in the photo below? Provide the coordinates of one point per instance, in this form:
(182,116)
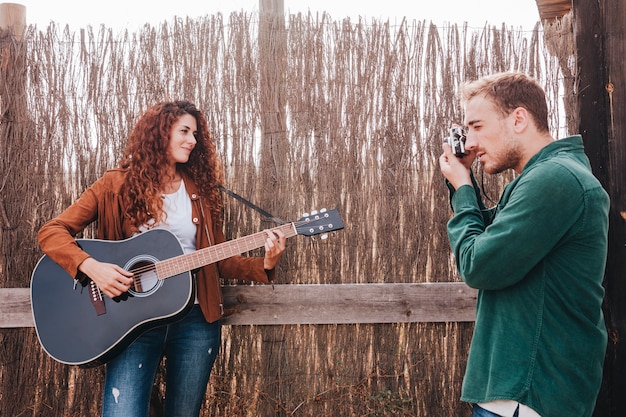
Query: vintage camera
(456,140)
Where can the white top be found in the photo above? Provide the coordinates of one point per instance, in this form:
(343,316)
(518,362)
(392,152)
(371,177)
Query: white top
(177,205)
(506,408)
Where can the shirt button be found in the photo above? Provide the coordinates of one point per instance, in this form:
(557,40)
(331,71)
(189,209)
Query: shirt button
(195,220)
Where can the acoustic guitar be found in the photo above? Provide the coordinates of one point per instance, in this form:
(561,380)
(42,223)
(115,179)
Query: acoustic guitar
(77,325)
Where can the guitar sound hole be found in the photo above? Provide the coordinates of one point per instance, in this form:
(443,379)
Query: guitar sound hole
(146,280)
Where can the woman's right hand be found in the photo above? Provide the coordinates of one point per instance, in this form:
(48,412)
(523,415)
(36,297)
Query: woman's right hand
(112,279)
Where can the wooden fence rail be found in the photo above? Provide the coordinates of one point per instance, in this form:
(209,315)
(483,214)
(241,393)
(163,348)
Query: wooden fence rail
(311,304)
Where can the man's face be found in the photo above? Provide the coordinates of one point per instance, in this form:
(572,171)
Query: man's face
(490,136)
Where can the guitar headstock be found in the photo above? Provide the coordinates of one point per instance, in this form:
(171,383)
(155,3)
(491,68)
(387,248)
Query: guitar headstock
(320,222)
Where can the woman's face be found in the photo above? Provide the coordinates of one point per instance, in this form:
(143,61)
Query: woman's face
(182,139)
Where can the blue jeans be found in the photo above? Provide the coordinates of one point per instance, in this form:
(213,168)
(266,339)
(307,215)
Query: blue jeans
(481,412)
(190,347)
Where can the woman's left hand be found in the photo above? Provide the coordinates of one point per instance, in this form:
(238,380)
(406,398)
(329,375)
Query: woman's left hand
(274,248)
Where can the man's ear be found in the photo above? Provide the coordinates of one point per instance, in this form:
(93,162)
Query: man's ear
(521,119)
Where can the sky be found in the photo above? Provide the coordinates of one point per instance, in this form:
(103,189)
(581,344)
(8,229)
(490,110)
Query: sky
(133,14)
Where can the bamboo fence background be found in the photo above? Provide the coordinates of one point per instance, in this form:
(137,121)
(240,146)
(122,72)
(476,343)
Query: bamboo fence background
(366,106)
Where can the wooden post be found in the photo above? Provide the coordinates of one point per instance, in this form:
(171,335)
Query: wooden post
(274,151)
(13,19)
(600,35)
(13,133)
(16,148)
(273,67)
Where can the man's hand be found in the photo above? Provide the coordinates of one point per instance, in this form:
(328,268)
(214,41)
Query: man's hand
(456,170)
(110,278)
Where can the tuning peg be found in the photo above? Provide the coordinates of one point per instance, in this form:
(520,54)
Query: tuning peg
(323,210)
(305,214)
(324,236)
(313,213)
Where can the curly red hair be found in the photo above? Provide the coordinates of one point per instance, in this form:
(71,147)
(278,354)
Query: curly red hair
(146,157)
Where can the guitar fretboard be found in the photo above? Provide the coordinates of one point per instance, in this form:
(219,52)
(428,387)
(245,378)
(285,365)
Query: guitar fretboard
(188,262)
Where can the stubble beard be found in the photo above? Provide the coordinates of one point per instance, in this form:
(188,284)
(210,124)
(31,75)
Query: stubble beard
(508,159)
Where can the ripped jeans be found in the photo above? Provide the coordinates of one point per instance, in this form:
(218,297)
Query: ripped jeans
(190,347)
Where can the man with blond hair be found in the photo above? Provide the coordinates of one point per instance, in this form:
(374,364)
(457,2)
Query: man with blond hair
(537,258)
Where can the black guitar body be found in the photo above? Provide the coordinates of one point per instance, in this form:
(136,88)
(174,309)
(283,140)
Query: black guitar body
(69,327)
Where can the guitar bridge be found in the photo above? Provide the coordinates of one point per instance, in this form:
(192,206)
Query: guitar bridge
(96,298)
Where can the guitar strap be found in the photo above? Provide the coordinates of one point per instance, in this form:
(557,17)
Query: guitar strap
(248,203)
(253,206)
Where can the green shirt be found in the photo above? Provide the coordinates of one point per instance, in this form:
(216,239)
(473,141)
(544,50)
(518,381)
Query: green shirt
(538,261)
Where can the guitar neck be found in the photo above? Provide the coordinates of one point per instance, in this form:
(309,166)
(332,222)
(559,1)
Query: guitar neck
(194,260)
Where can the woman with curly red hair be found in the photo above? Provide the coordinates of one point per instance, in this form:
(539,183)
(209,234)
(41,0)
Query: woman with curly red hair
(168,178)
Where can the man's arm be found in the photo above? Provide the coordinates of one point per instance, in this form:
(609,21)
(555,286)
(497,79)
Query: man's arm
(541,207)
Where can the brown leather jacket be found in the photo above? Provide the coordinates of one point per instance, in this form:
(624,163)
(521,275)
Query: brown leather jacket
(102,203)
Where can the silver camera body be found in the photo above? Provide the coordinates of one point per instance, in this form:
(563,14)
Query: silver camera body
(456,140)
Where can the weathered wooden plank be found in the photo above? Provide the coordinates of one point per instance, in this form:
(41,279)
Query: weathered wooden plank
(350,303)
(312,304)
(15,308)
